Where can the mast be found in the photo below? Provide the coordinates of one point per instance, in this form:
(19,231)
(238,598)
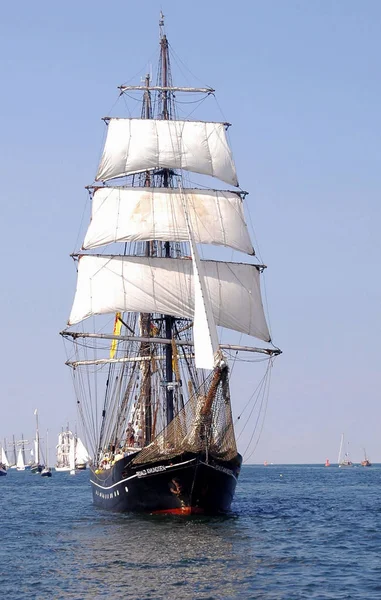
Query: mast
(145,318)
(14,450)
(23,447)
(168,320)
(37,442)
(341,447)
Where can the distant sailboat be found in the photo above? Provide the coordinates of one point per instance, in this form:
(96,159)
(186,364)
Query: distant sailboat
(65,439)
(71,452)
(46,471)
(366,462)
(37,467)
(82,457)
(4,463)
(327,463)
(20,464)
(345,461)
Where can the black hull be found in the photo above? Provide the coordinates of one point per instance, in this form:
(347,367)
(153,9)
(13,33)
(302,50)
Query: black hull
(187,484)
(2,473)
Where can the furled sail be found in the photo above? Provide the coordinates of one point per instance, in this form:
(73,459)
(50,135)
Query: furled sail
(142,213)
(108,284)
(135,145)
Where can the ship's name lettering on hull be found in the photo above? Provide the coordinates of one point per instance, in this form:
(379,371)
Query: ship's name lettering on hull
(223,470)
(150,470)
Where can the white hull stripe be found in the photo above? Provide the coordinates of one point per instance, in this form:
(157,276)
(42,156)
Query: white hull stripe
(133,476)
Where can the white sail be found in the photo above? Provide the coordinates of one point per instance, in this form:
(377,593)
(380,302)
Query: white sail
(204,326)
(140,214)
(164,285)
(20,461)
(135,145)
(81,455)
(4,458)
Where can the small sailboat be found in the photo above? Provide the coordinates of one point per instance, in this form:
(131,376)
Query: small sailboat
(4,464)
(366,462)
(82,457)
(46,471)
(327,463)
(20,464)
(36,467)
(344,461)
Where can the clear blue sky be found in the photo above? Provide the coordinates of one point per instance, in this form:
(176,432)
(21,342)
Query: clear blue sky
(300,82)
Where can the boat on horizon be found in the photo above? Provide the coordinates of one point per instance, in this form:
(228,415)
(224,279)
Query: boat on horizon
(4,463)
(327,463)
(37,466)
(366,462)
(344,460)
(165,440)
(46,471)
(71,452)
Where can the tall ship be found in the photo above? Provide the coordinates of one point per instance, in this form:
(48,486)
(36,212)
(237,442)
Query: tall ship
(71,452)
(150,371)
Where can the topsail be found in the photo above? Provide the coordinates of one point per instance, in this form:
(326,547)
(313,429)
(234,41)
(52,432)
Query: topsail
(143,213)
(136,145)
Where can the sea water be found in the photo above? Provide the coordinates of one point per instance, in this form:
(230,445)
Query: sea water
(305,532)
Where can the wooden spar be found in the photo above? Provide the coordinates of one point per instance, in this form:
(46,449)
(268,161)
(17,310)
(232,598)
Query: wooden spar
(165,88)
(77,255)
(125,359)
(225,123)
(155,340)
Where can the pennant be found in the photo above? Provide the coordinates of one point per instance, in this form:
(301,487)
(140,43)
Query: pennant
(116,331)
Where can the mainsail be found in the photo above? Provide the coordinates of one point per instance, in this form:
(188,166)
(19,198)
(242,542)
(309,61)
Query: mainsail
(108,284)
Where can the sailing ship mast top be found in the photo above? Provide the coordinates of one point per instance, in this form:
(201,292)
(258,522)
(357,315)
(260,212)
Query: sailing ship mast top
(164,87)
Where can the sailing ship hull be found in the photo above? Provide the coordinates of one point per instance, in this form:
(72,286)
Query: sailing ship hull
(187,484)
(2,472)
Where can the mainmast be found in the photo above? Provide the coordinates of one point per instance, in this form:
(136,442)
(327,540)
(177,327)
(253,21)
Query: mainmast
(165,114)
(145,318)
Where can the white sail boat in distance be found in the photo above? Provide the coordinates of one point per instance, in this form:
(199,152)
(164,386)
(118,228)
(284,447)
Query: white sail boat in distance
(4,464)
(65,461)
(20,464)
(344,461)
